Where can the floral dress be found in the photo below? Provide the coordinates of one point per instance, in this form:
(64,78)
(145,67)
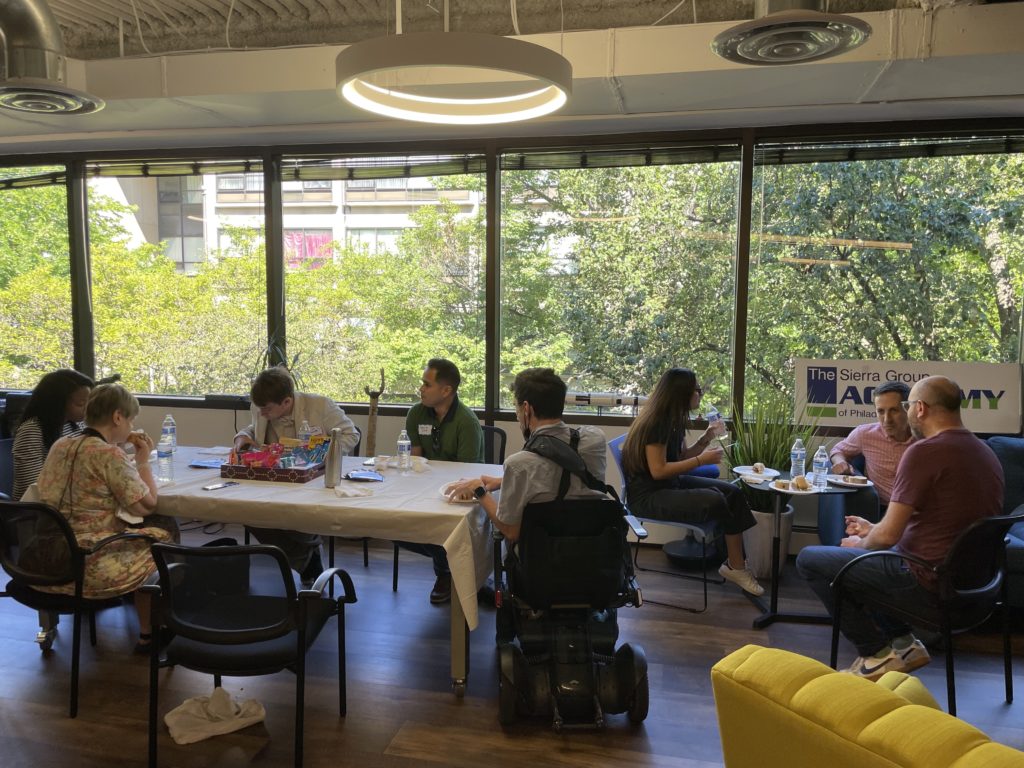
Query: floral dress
(89,480)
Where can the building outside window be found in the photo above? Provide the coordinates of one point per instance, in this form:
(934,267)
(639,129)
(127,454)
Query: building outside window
(405,282)
(173,313)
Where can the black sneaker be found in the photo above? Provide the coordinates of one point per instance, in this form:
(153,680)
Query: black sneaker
(313,568)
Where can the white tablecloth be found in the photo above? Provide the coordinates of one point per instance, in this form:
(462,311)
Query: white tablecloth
(405,506)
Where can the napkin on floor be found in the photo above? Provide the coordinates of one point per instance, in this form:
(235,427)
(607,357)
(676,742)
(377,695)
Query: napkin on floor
(351,490)
(201,717)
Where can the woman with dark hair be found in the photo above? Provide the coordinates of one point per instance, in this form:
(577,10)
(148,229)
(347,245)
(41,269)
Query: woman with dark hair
(55,410)
(655,458)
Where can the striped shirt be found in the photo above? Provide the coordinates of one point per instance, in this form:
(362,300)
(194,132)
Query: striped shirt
(881,455)
(30,452)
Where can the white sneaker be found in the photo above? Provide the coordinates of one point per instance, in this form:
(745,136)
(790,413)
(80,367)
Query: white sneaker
(743,579)
(914,656)
(873,667)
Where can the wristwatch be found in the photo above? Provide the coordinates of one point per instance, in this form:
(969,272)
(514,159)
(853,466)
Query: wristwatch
(479,491)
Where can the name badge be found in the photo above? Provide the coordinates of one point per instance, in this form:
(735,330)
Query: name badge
(425,429)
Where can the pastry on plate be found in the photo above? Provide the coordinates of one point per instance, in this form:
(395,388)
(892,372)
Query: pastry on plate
(801,483)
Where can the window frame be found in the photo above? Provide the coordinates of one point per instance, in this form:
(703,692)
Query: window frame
(80,165)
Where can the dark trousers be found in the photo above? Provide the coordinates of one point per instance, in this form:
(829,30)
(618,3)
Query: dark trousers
(869,630)
(697,500)
(434,551)
(298,547)
(834,507)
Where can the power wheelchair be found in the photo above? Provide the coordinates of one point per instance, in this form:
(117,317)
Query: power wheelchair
(557,594)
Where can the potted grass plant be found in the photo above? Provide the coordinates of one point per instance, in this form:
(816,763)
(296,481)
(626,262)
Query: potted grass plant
(766,436)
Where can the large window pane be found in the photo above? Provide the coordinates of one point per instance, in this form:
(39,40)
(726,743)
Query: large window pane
(611,275)
(178,280)
(915,256)
(35,285)
(395,276)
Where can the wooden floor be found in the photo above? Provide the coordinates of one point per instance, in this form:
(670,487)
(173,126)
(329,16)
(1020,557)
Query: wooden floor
(401,710)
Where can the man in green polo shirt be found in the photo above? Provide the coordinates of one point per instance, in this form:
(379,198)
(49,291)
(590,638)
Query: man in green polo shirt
(442,429)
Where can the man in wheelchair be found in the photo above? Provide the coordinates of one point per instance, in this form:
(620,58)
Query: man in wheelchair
(566,572)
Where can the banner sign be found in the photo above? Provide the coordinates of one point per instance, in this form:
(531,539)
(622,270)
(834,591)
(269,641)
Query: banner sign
(838,393)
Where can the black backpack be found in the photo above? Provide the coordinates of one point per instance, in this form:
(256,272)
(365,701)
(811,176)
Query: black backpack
(571,551)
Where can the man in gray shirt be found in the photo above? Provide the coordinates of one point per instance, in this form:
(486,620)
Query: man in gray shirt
(528,478)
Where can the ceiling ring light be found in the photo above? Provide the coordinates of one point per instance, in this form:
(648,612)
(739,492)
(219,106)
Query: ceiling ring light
(453,78)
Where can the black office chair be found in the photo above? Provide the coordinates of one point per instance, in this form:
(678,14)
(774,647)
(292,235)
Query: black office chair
(971,586)
(702,533)
(38,548)
(234,612)
(559,589)
(494,453)
(494,444)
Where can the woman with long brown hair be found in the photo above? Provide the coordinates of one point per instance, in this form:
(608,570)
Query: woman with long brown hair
(656,459)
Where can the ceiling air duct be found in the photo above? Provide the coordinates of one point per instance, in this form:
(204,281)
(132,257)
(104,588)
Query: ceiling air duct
(34,68)
(790,32)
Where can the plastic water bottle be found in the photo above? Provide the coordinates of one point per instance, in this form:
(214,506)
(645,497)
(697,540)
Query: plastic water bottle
(714,418)
(404,451)
(305,432)
(164,459)
(170,428)
(797,458)
(821,467)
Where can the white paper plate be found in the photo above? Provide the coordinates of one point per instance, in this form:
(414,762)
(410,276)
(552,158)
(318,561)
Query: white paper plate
(792,490)
(745,470)
(754,480)
(844,481)
(443,490)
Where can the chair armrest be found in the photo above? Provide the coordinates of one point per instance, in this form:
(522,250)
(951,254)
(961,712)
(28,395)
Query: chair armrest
(638,529)
(151,586)
(324,579)
(841,574)
(635,594)
(111,539)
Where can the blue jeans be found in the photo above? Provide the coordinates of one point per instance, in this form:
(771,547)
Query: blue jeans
(834,507)
(882,577)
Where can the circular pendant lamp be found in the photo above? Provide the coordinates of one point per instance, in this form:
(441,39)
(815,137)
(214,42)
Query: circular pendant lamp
(453,78)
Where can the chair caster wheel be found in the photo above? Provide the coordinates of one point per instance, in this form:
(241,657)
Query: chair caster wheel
(45,638)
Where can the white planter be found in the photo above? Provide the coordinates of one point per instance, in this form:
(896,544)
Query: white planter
(757,542)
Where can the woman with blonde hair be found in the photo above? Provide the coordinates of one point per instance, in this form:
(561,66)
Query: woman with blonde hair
(92,482)
(656,458)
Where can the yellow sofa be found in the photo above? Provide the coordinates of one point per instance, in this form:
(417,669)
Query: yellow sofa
(779,709)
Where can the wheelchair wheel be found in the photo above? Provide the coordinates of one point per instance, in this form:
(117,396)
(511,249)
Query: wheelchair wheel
(510,661)
(631,665)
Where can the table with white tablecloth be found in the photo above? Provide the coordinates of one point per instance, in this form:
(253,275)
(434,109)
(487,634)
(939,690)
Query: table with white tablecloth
(406,506)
